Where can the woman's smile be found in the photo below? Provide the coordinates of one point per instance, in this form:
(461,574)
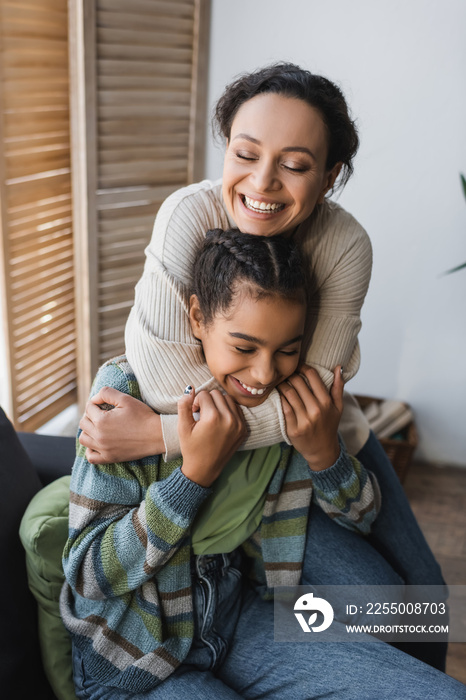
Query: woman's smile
(275,164)
(261,206)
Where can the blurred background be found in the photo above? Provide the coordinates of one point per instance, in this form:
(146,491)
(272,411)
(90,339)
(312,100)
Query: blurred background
(402,68)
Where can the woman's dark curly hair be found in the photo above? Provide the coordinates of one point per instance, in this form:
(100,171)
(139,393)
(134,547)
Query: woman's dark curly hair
(290,80)
(266,266)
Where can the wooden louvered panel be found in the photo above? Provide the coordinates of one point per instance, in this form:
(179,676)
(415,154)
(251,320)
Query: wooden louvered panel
(57,340)
(150,9)
(35,182)
(140,82)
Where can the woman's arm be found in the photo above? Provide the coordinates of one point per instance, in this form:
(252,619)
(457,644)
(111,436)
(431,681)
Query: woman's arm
(159,342)
(160,345)
(340,258)
(131,430)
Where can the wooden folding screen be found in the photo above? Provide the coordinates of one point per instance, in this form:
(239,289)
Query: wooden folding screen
(36,243)
(136,81)
(138,71)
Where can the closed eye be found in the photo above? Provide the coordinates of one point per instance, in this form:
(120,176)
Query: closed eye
(243,157)
(289,352)
(295,170)
(245,351)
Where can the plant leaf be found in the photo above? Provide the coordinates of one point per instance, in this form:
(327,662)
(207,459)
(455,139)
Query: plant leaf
(458,267)
(455,269)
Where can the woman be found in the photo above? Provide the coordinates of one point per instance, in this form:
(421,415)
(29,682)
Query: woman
(289,143)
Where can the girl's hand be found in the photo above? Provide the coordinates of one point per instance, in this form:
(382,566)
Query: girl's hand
(208,444)
(122,430)
(312,415)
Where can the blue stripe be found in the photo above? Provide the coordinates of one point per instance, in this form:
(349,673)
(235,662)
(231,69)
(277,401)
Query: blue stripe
(286,515)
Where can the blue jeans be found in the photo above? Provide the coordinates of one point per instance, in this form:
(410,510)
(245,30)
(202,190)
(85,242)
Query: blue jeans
(234,655)
(396,552)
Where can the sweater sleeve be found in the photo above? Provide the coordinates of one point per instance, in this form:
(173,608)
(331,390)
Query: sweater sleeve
(340,257)
(125,521)
(160,346)
(348,493)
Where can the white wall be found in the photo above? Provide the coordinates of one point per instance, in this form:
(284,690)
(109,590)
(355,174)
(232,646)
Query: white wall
(402,67)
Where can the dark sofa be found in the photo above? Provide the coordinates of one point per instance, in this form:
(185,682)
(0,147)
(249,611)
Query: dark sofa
(27,463)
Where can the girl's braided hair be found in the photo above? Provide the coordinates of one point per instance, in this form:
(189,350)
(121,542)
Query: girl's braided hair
(266,266)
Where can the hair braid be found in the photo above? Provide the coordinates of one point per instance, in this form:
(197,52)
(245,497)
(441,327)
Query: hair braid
(266,265)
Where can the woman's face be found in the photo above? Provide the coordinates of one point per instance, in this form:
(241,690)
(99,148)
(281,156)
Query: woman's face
(274,170)
(252,348)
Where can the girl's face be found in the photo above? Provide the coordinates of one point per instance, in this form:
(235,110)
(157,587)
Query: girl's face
(274,170)
(252,348)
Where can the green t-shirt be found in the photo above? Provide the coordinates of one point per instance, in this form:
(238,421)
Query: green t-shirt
(234,510)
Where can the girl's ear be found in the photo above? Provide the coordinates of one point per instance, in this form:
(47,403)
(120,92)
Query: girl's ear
(330,181)
(196,318)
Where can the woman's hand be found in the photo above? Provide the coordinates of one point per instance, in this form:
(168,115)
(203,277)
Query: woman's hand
(130,430)
(208,444)
(312,415)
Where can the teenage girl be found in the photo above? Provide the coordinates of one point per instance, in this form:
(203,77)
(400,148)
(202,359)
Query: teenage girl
(171,566)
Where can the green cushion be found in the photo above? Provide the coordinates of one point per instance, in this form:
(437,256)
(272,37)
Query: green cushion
(43,532)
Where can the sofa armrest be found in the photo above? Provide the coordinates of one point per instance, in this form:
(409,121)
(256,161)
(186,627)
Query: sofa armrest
(51,455)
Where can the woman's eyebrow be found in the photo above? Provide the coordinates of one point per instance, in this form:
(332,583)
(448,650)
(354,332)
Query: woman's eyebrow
(259,341)
(288,149)
(299,149)
(248,138)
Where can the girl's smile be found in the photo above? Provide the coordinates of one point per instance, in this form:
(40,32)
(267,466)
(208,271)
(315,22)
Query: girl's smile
(254,347)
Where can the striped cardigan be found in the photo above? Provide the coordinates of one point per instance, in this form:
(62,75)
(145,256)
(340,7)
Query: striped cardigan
(127,596)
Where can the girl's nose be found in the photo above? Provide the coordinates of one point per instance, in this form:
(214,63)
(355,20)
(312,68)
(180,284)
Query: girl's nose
(263,373)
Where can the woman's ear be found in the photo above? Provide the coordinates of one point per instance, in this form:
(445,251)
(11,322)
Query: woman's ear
(329,181)
(196,317)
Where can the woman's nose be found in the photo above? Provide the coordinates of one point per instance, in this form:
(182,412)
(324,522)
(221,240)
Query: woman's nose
(265,176)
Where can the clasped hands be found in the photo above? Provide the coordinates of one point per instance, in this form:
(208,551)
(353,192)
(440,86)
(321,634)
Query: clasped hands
(132,430)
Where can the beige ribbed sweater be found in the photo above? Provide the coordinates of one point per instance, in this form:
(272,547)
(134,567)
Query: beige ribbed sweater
(166,357)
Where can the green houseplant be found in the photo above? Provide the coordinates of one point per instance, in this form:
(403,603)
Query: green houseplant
(459,267)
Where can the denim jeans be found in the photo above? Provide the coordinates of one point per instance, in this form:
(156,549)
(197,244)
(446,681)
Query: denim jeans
(395,552)
(234,655)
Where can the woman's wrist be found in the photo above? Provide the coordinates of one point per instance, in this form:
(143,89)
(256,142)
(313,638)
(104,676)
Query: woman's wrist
(155,443)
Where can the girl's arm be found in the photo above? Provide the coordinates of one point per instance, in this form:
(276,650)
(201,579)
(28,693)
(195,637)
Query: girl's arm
(127,520)
(342,486)
(348,493)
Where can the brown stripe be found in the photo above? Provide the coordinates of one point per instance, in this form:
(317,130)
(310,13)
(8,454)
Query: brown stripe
(114,637)
(177,594)
(80,582)
(292,486)
(166,656)
(138,528)
(89,503)
(283,566)
(361,513)
(149,570)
